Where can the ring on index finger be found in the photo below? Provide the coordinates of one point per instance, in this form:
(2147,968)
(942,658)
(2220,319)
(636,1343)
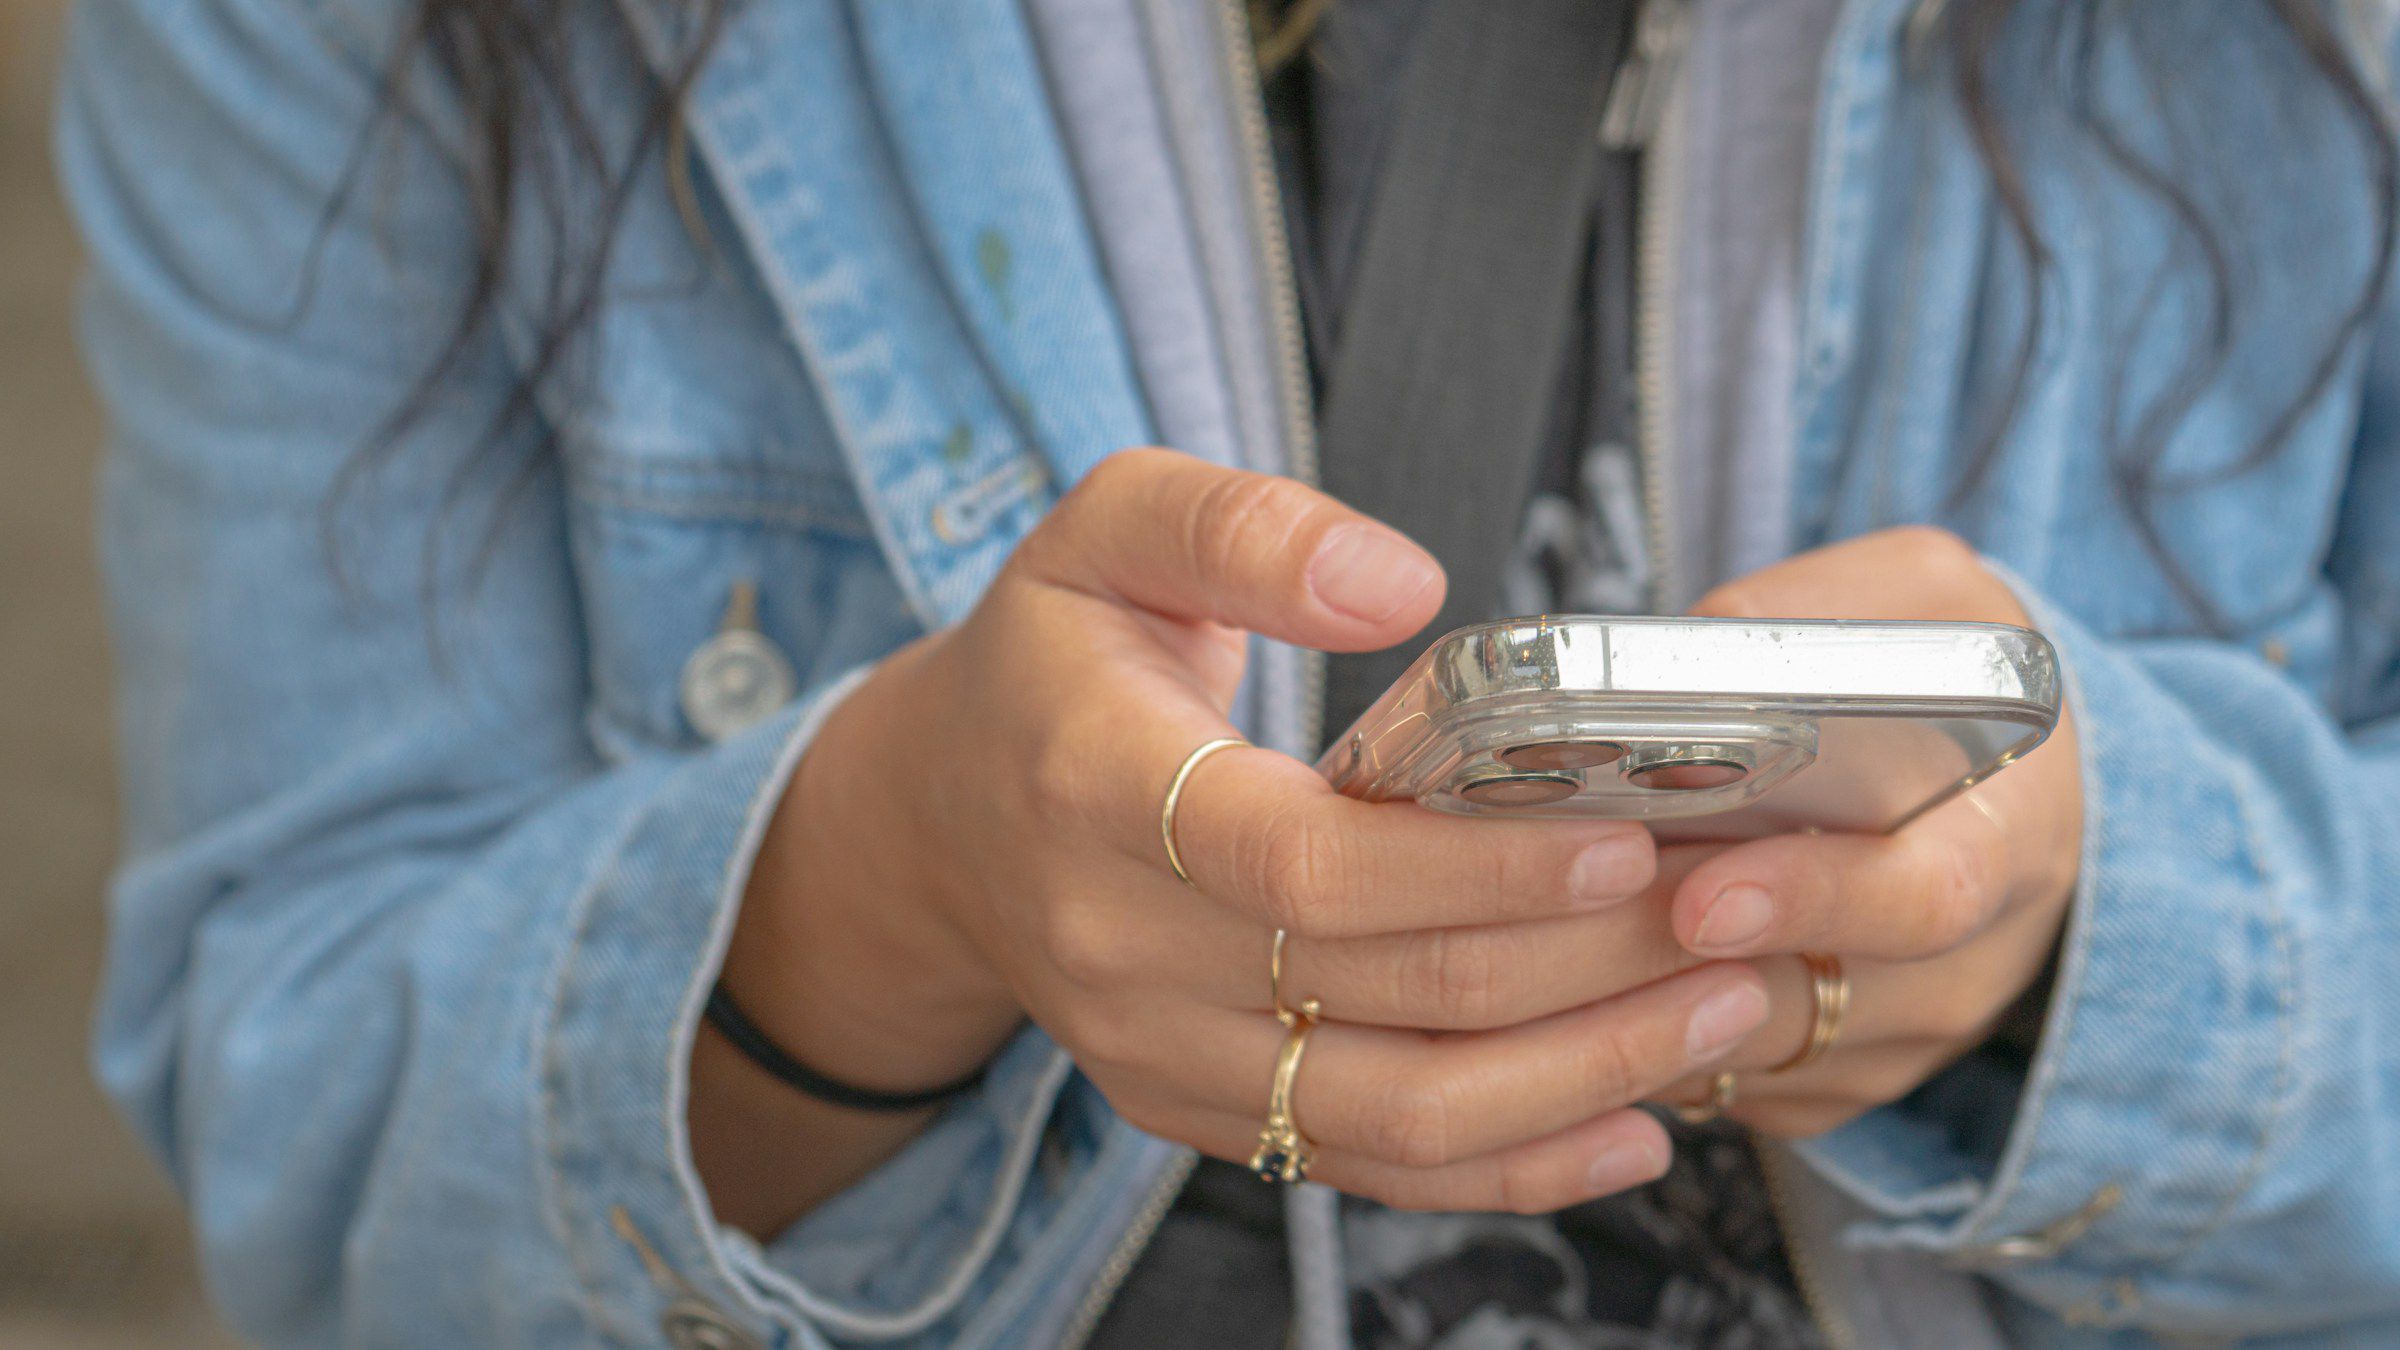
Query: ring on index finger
(1166,812)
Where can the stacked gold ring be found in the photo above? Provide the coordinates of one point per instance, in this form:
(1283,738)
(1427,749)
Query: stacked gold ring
(1832,989)
(1283,1153)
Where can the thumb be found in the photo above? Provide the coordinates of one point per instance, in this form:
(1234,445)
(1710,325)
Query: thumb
(1906,572)
(1192,541)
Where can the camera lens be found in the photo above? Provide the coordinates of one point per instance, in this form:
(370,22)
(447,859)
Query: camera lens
(1687,768)
(1561,756)
(1503,787)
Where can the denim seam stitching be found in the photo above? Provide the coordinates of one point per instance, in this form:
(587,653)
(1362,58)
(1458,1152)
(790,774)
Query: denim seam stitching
(2286,1016)
(2037,1092)
(775,276)
(589,1269)
(720,509)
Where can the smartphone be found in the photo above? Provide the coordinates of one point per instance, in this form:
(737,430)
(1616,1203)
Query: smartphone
(1708,728)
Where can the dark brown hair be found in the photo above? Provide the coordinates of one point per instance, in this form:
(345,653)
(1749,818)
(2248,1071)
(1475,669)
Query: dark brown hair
(534,147)
(2137,452)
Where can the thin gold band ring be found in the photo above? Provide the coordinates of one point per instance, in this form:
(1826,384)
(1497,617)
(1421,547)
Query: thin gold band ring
(1166,812)
(1283,1011)
(1831,988)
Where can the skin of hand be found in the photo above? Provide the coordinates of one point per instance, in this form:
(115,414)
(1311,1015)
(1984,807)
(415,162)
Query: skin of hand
(1941,926)
(973,840)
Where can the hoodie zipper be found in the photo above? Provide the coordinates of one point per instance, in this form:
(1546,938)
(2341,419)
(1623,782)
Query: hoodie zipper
(1128,1250)
(1274,260)
(1832,1324)
(1649,117)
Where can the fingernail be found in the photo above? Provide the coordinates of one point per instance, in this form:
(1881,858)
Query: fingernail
(1619,1166)
(1369,572)
(1723,1018)
(1737,916)
(1610,870)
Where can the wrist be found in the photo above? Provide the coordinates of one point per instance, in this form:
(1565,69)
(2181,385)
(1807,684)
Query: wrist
(842,954)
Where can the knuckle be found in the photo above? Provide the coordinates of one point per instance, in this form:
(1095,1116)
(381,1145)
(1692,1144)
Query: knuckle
(1949,560)
(1415,1124)
(1088,945)
(1242,515)
(1455,977)
(1298,866)
(1960,883)
(1731,600)
(1931,545)
(1610,1069)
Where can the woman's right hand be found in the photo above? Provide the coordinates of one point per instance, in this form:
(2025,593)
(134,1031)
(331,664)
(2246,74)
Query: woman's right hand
(974,838)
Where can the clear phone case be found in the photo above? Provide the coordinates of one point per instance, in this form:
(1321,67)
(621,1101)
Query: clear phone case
(1712,728)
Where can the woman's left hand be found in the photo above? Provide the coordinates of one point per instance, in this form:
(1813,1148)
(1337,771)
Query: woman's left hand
(1941,927)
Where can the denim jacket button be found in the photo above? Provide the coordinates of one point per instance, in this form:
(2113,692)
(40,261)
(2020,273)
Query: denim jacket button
(737,678)
(2046,1244)
(690,1324)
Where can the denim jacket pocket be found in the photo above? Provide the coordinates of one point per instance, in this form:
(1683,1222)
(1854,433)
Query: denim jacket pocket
(688,553)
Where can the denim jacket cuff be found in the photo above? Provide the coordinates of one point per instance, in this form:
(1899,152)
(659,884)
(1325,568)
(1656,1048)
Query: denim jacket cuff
(908,1245)
(2140,1124)
(903,1248)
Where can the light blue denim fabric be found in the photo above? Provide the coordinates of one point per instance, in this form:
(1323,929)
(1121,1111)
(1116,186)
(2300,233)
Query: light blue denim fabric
(420,899)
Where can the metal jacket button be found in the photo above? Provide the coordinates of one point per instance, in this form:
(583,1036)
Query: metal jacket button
(739,677)
(2050,1241)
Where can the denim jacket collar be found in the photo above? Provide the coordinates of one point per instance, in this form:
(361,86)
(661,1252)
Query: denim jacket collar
(913,107)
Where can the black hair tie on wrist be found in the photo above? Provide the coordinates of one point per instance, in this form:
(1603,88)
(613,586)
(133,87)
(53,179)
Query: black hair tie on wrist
(727,1017)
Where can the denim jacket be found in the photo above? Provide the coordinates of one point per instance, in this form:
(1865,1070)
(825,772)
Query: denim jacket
(428,868)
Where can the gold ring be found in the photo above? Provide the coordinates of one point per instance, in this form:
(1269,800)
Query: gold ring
(1283,1153)
(1166,813)
(1283,1013)
(1832,989)
(1720,1101)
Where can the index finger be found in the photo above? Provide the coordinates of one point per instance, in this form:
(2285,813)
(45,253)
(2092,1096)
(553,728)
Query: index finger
(1265,835)
(1903,896)
(1196,541)
(1906,572)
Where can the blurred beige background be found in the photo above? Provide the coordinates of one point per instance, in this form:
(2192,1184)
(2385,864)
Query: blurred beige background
(92,1251)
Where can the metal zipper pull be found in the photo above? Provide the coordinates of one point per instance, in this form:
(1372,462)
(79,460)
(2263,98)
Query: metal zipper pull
(1637,97)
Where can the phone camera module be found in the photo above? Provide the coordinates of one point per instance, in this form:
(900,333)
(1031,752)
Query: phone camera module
(1508,787)
(1687,768)
(1561,756)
